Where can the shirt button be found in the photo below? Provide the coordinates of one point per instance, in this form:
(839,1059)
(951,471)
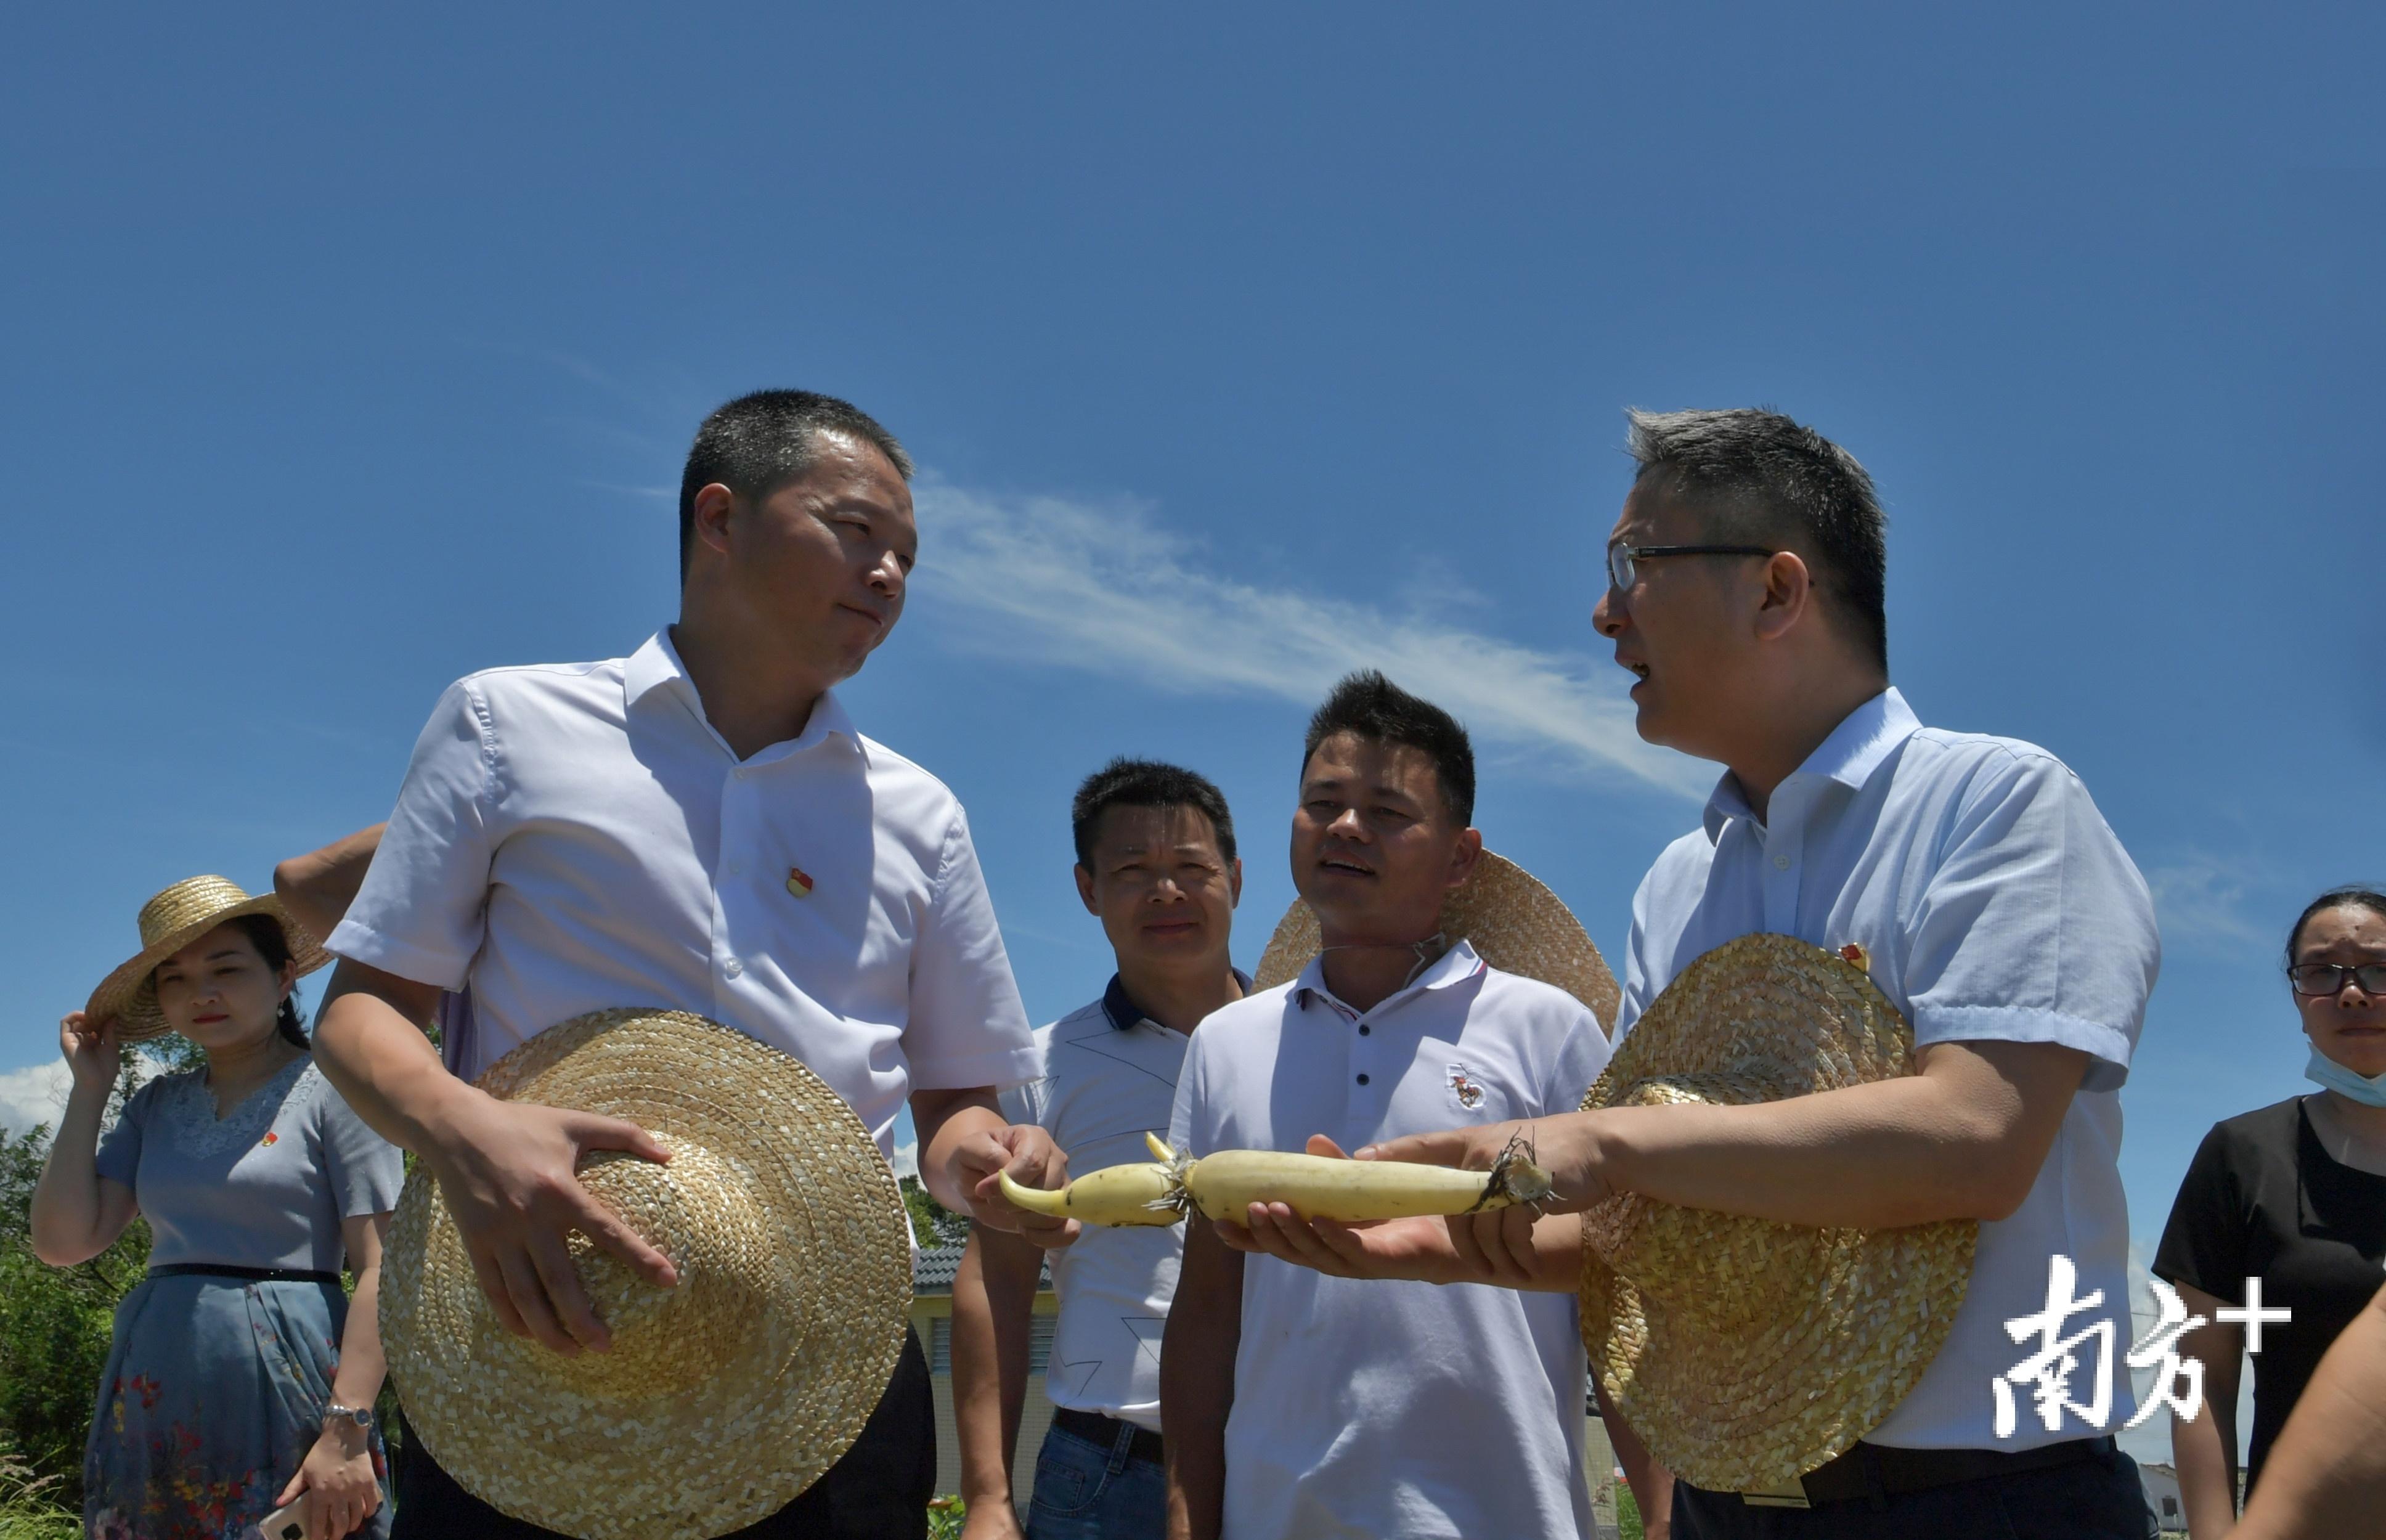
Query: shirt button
(1781,862)
(1363,1029)
(733,968)
(741,772)
(1363,1080)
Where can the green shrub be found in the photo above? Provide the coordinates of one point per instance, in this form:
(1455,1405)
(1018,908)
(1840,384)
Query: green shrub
(1627,1514)
(29,1508)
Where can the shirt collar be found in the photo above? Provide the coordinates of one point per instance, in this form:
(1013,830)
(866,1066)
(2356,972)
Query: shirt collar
(1123,1013)
(1455,965)
(1864,739)
(657,665)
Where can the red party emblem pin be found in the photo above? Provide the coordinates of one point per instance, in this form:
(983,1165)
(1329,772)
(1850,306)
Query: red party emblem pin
(799,881)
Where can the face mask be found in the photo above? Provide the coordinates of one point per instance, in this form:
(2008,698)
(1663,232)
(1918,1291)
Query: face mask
(2368,1090)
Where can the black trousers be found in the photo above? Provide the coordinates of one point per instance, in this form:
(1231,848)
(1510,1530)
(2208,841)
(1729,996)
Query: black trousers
(879,1491)
(2091,1499)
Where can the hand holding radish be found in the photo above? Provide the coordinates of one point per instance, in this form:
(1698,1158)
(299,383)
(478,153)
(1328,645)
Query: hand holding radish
(1028,1157)
(1567,1146)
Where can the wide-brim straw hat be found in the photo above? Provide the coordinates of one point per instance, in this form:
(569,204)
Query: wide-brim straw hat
(720,1399)
(1744,1352)
(171,920)
(1514,922)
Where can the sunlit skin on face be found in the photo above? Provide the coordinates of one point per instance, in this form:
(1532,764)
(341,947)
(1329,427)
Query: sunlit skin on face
(219,992)
(820,566)
(1164,893)
(2350,1025)
(1681,631)
(1374,850)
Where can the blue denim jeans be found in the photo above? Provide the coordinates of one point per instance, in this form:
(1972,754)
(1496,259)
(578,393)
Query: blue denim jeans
(1087,1492)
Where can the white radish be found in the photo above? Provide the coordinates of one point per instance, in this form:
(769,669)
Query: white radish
(1223,1185)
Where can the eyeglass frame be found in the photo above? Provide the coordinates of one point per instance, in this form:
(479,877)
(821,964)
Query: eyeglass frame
(1618,551)
(2343,971)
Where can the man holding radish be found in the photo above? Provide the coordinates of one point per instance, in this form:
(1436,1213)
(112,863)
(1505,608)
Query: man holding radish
(1303,1406)
(1994,910)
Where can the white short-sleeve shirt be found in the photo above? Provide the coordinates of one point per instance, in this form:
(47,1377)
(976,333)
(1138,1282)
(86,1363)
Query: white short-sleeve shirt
(1367,1407)
(1996,905)
(1110,1078)
(576,837)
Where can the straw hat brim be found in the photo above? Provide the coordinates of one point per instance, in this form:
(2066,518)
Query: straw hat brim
(721,1399)
(1744,1352)
(128,994)
(1509,916)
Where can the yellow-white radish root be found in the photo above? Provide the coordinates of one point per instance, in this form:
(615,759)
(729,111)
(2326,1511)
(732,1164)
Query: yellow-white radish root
(1223,1185)
(1115,1194)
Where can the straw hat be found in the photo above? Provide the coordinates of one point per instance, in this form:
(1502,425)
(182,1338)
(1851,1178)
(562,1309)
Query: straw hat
(1746,1353)
(1514,923)
(171,922)
(721,1399)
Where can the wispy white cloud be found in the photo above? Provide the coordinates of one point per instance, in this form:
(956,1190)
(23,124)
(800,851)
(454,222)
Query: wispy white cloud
(2200,899)
(1107,590)
(35,1095)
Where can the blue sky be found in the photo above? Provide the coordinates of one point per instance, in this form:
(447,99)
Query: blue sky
(345,354)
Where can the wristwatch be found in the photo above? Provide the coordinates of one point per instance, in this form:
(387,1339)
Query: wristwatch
(361,1416)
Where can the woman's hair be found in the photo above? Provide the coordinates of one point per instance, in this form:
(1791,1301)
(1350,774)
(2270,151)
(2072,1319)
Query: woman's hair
(264,931)
(2350,897)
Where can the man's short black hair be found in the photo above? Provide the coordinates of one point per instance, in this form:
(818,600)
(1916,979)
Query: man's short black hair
(1757,478)
(1146,784)
(1366,704)
(759,443)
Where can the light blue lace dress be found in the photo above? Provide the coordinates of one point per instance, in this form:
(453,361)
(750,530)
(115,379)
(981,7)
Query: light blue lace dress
(215,1385)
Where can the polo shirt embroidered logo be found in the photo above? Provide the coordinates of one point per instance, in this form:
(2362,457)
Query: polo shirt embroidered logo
(799,881)
(1463,1089)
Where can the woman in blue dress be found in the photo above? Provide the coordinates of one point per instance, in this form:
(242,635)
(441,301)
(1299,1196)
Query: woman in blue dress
(240,1379)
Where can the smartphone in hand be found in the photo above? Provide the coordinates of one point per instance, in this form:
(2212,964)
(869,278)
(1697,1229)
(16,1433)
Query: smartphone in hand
(283,1523)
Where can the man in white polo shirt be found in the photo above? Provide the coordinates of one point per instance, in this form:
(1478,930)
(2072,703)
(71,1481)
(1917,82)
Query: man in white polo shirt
(2000,916)
(697,826)
(1302,1407)
(1156,863)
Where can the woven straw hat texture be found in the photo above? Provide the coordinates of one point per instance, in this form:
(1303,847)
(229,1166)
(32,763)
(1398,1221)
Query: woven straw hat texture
(171,920)
(1744,1352)
(721,1399)
(1515,923)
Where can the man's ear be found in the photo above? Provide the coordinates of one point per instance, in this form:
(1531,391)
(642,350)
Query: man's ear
(1085,888)
(1235,883)
(1789,594)
(709,515)
(1464,856)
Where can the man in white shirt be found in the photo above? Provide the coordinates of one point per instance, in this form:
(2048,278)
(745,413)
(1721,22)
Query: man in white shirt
(1300,1407)
(1155,864)
(697,826)
(2000,917)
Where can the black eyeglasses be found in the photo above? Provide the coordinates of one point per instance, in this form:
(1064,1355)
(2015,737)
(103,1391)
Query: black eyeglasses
(1620,557)
(2328,978)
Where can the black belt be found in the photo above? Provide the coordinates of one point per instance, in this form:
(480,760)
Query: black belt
(1095,1428)
(1878,1470)
(252,1275)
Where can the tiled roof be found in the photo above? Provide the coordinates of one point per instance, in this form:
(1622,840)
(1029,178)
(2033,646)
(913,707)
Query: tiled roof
(932,1267)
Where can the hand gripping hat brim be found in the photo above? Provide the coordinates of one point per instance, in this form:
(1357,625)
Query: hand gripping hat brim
(171,920)
(1744,1352)
(1514,922)
(721,1399)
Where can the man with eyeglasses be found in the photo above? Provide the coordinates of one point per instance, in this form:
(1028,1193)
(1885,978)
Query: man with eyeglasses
(1999,913)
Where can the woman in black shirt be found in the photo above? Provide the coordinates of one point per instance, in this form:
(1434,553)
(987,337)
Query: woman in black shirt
(2293,1195)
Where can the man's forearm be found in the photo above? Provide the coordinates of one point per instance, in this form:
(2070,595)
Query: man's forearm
(994,1295)
(1963,1140)
(943,1119)
(1197,1382)
(371,1045)
(317,887)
